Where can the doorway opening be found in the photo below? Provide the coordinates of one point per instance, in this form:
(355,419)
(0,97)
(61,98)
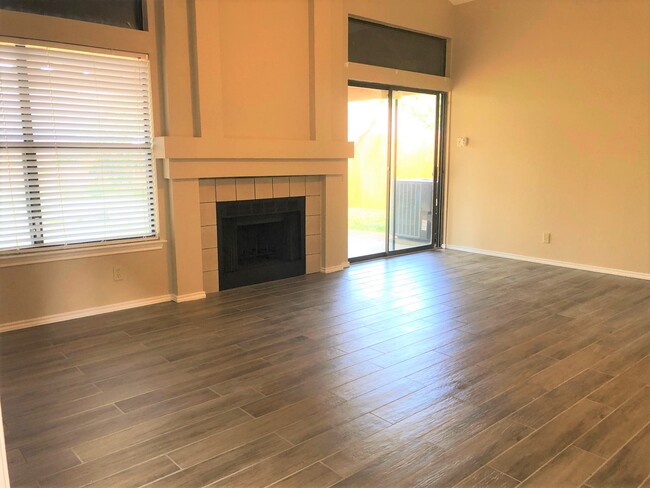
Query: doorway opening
(395,180)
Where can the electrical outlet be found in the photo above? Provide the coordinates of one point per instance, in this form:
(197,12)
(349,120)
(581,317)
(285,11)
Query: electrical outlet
(118,274)
(546,238)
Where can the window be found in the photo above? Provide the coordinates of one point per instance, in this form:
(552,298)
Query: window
(119,13)
(75,148)
(380,45)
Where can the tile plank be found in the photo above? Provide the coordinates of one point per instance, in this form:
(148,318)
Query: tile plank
(488,477)
(545,443)
(629,467)
(570,468)
(619,427)
(225,464)
(559,399)
(314,476)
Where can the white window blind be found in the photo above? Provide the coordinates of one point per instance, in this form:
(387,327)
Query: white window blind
(75,148)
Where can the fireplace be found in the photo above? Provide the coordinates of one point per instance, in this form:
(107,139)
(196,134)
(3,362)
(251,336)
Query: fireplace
(260,240)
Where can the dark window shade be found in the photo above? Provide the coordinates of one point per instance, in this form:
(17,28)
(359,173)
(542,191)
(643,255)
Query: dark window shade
(380,45)
(119,13)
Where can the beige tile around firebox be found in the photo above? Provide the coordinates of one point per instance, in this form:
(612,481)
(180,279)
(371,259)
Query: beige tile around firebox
(312,205)
(208,214)
(312,264)
(226,190)
(313,185)
(211,281)
(312,245)
(263,188)
(312,225)
(245,188)
(209,237)
(297,186)
(206,190)
(280,186)
(229,189)
(210,262)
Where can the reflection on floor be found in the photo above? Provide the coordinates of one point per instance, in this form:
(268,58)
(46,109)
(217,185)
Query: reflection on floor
(365,243)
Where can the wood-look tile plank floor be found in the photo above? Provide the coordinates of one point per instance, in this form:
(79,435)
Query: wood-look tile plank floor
(431,369)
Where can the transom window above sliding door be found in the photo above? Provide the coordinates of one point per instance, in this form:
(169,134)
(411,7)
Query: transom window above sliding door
(390,47)
(75,148)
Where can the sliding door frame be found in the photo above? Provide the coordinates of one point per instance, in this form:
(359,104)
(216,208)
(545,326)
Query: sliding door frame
(440,173)
(438,176)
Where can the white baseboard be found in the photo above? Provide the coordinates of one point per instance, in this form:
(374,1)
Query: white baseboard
(86,312)
(334,269)
(199,295)
(552,262)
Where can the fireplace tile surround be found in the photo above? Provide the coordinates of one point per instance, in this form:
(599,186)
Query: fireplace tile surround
(215,190)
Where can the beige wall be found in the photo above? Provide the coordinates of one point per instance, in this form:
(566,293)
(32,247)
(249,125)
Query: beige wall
(268,75)
(553,95)
(39,290)
(276,36)
(554,98)
(241,88)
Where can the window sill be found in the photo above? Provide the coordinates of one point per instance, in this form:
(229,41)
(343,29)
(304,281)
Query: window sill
(91,251)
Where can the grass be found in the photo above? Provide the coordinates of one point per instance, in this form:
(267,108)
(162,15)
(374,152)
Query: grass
(367,219)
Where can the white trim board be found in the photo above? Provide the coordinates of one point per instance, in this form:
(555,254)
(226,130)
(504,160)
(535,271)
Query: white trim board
(78,252)
(188,297)
(86,312)
(552,262)
(335,269)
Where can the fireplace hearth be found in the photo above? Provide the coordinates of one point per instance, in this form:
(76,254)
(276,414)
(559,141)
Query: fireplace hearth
(260,240)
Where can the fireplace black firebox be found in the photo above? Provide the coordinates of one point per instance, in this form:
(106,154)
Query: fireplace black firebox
(260,240)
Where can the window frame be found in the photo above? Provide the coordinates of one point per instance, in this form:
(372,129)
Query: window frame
(57,252)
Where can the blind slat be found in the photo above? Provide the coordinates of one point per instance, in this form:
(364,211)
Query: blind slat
(68,121)
(51,107)
(84,83)
(65,56)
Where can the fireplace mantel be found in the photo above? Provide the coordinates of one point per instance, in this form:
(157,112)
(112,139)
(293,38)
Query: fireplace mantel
(200,157)
(222,148)
(175,170)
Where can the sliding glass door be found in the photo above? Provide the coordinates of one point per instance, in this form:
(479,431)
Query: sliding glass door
(368,127)
(395,175)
